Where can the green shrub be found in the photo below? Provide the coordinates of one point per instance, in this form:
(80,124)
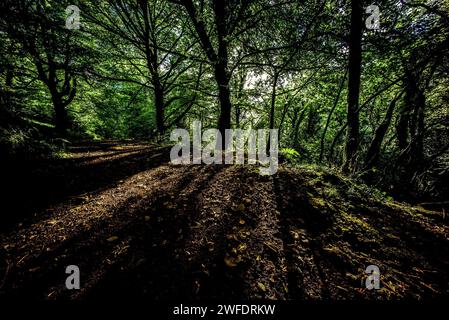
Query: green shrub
(290,155)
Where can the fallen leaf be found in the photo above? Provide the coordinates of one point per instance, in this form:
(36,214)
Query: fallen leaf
(242,247)
(261,286)
(232,261)
(169,205)
(240,207)
(341,288)
(111,239)
(231,237)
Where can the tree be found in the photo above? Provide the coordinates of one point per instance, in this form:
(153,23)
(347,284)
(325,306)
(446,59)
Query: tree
(157,33)
(39,28)
(354,71)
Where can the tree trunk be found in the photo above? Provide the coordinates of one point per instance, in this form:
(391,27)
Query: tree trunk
(273,100)
(296,128)
(237,108)
(355,59)
(221,66)
(218,59)
(237,115)
(402,128)
(373,154)
(159,104)
(281,123)
(61,116)
(415,101)
(337,98)
(272,107)
(151,55)
(224,96)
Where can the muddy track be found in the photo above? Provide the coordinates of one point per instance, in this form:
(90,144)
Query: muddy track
(196,232)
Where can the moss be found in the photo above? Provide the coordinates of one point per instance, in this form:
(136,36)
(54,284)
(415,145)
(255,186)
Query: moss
(359,223)
(317,202)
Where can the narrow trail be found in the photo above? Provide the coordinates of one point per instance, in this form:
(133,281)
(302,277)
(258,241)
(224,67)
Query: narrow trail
(195,232)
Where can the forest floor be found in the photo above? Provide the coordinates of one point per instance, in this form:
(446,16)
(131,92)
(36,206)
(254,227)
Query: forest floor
(138,226)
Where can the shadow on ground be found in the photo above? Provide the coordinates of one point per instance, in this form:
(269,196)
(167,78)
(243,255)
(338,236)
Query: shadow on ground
(29,187)
(145,228)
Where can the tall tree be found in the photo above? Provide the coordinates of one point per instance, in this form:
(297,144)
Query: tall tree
(158,34)
(354,71)
(39,28)
(216,54)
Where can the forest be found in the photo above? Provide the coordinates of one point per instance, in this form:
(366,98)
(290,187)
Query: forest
(357,92)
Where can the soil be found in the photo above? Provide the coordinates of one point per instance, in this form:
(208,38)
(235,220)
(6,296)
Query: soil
(138,226)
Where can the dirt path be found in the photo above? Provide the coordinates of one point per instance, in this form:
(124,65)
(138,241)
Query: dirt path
(142,227)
